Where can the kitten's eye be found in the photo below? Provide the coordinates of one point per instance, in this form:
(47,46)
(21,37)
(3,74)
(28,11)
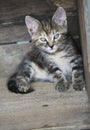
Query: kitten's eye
(42,39)
(56,36)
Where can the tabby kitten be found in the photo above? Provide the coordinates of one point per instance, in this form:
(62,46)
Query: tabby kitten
(52,56)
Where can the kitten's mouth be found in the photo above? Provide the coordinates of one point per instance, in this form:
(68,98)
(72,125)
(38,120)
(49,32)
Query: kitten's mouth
(50,50)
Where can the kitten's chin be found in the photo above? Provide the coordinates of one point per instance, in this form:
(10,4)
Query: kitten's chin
(49,50)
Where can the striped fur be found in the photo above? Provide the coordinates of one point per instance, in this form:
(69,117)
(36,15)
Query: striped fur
(52,57)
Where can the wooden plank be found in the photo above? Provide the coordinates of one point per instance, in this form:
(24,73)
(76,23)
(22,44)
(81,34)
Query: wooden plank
(69,5)
(13,33)
(10,57)
(14,9)
(83,127)
(83,27)
(43,108)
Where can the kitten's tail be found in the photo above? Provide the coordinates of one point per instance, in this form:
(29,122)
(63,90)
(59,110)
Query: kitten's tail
(12,86)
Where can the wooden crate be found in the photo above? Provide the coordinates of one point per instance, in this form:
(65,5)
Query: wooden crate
(43,109)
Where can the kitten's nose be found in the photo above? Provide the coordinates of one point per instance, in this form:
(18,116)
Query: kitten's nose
(52,46)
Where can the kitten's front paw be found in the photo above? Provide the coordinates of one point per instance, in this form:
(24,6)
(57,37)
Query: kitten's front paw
(19,86)
(61,86)
(79,87)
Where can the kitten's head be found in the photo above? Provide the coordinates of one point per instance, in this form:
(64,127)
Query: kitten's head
(48,35)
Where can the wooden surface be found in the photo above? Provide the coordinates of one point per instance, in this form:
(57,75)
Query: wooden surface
(84,27)
(10,57)
(44,109)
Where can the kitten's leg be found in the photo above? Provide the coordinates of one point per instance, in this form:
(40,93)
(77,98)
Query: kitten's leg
(60,79)
(20,82)
(61,84)
(78,81)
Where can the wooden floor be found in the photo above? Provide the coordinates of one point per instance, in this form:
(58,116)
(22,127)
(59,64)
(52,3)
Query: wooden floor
(43,109)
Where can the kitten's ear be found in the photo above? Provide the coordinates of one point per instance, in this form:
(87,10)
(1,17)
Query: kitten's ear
(60,17)
(32,24)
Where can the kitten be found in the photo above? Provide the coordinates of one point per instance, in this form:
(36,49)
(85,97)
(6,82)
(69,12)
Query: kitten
(52,56)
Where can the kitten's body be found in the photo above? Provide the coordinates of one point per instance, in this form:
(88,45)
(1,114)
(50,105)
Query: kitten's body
(61,58)
(52,56)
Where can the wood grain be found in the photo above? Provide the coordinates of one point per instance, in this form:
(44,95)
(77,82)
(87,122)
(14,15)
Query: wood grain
(69,5)
(15,10)
(43,108)
(84,39)
(10,57)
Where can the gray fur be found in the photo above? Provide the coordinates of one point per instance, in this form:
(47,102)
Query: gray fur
(52,57)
